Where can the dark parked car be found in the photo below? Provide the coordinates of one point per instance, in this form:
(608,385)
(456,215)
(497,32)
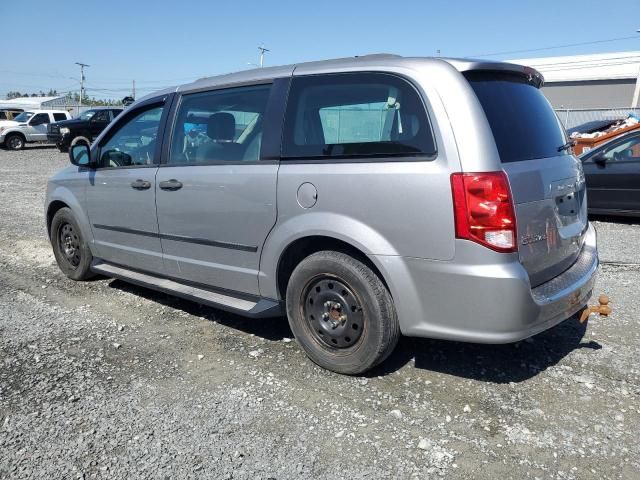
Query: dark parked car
(83,129)
(612,172)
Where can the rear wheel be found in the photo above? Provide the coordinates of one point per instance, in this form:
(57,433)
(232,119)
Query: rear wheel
(69,247)
(341,313)
(14,141)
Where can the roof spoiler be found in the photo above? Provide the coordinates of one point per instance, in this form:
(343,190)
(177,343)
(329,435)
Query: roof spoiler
(532,75)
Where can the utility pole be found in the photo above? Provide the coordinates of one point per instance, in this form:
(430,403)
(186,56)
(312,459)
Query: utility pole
(133,90)
(636,91)
(262,52)
(82,65)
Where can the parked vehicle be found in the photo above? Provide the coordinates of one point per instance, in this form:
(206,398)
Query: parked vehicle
(612,172)
(85,128)
(9,113)
(365,197)
(29,127)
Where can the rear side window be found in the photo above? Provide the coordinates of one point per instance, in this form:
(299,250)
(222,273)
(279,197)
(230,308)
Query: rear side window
(524,125)
(220,126)
(59,117)
(355,115)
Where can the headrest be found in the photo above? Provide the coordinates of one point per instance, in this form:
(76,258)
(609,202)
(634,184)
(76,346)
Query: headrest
(221,127)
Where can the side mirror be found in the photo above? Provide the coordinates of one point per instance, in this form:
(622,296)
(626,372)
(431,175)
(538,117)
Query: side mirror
(80,155)
(600,160)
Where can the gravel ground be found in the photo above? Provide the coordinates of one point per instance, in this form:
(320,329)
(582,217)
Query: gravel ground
(105,380)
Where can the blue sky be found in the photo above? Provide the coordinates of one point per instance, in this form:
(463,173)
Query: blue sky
(160,43)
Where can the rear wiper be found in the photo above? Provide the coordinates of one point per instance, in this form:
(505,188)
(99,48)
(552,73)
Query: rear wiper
(567,146)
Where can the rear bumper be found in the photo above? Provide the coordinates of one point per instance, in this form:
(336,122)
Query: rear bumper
(483,296)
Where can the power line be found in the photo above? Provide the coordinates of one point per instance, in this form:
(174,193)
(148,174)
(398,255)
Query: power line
(555,47)
(105,80)
(589,61)
(560,68)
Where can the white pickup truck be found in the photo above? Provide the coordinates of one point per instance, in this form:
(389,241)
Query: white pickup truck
(29,127)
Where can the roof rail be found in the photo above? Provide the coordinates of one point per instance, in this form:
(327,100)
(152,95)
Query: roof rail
(379,55)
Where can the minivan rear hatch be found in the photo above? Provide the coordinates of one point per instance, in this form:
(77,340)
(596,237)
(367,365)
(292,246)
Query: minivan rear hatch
(546,180)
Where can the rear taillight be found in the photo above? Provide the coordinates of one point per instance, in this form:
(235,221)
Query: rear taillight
(483,210)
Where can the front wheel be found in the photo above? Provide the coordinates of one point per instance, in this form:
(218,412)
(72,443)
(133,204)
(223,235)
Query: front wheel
(341,313)
(69,247)
(14,141)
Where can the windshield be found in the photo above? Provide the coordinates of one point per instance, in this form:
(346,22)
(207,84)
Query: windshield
(524,125)
(87,115)
(23,117)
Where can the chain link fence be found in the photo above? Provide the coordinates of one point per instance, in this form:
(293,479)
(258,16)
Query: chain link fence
(71,105)
(577,116)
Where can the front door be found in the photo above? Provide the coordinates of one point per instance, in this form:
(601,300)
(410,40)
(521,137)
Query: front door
(613,182)
(37,128)
(97,123)
(216,199)
(121,191)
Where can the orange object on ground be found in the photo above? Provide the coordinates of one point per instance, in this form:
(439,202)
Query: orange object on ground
(604,310)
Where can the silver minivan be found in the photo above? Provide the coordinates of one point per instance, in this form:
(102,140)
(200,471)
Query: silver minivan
(365,197)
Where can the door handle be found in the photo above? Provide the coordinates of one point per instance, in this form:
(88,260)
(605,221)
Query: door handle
(141,185)
(170,185)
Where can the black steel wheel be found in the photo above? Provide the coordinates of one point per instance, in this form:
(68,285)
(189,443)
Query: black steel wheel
(69,247)
(70,244)
(333,311)
(341,313)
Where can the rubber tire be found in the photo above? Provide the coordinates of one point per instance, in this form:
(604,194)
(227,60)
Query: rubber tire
(80,139)
(83,270)
(62,148)
(7,142)
(381,331)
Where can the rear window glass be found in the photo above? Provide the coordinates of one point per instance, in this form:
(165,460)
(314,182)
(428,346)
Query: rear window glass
(355,115)
(524,125)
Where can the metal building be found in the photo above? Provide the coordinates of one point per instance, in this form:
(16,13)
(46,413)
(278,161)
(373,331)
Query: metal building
(35,103)
(604,80)
(590,87)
